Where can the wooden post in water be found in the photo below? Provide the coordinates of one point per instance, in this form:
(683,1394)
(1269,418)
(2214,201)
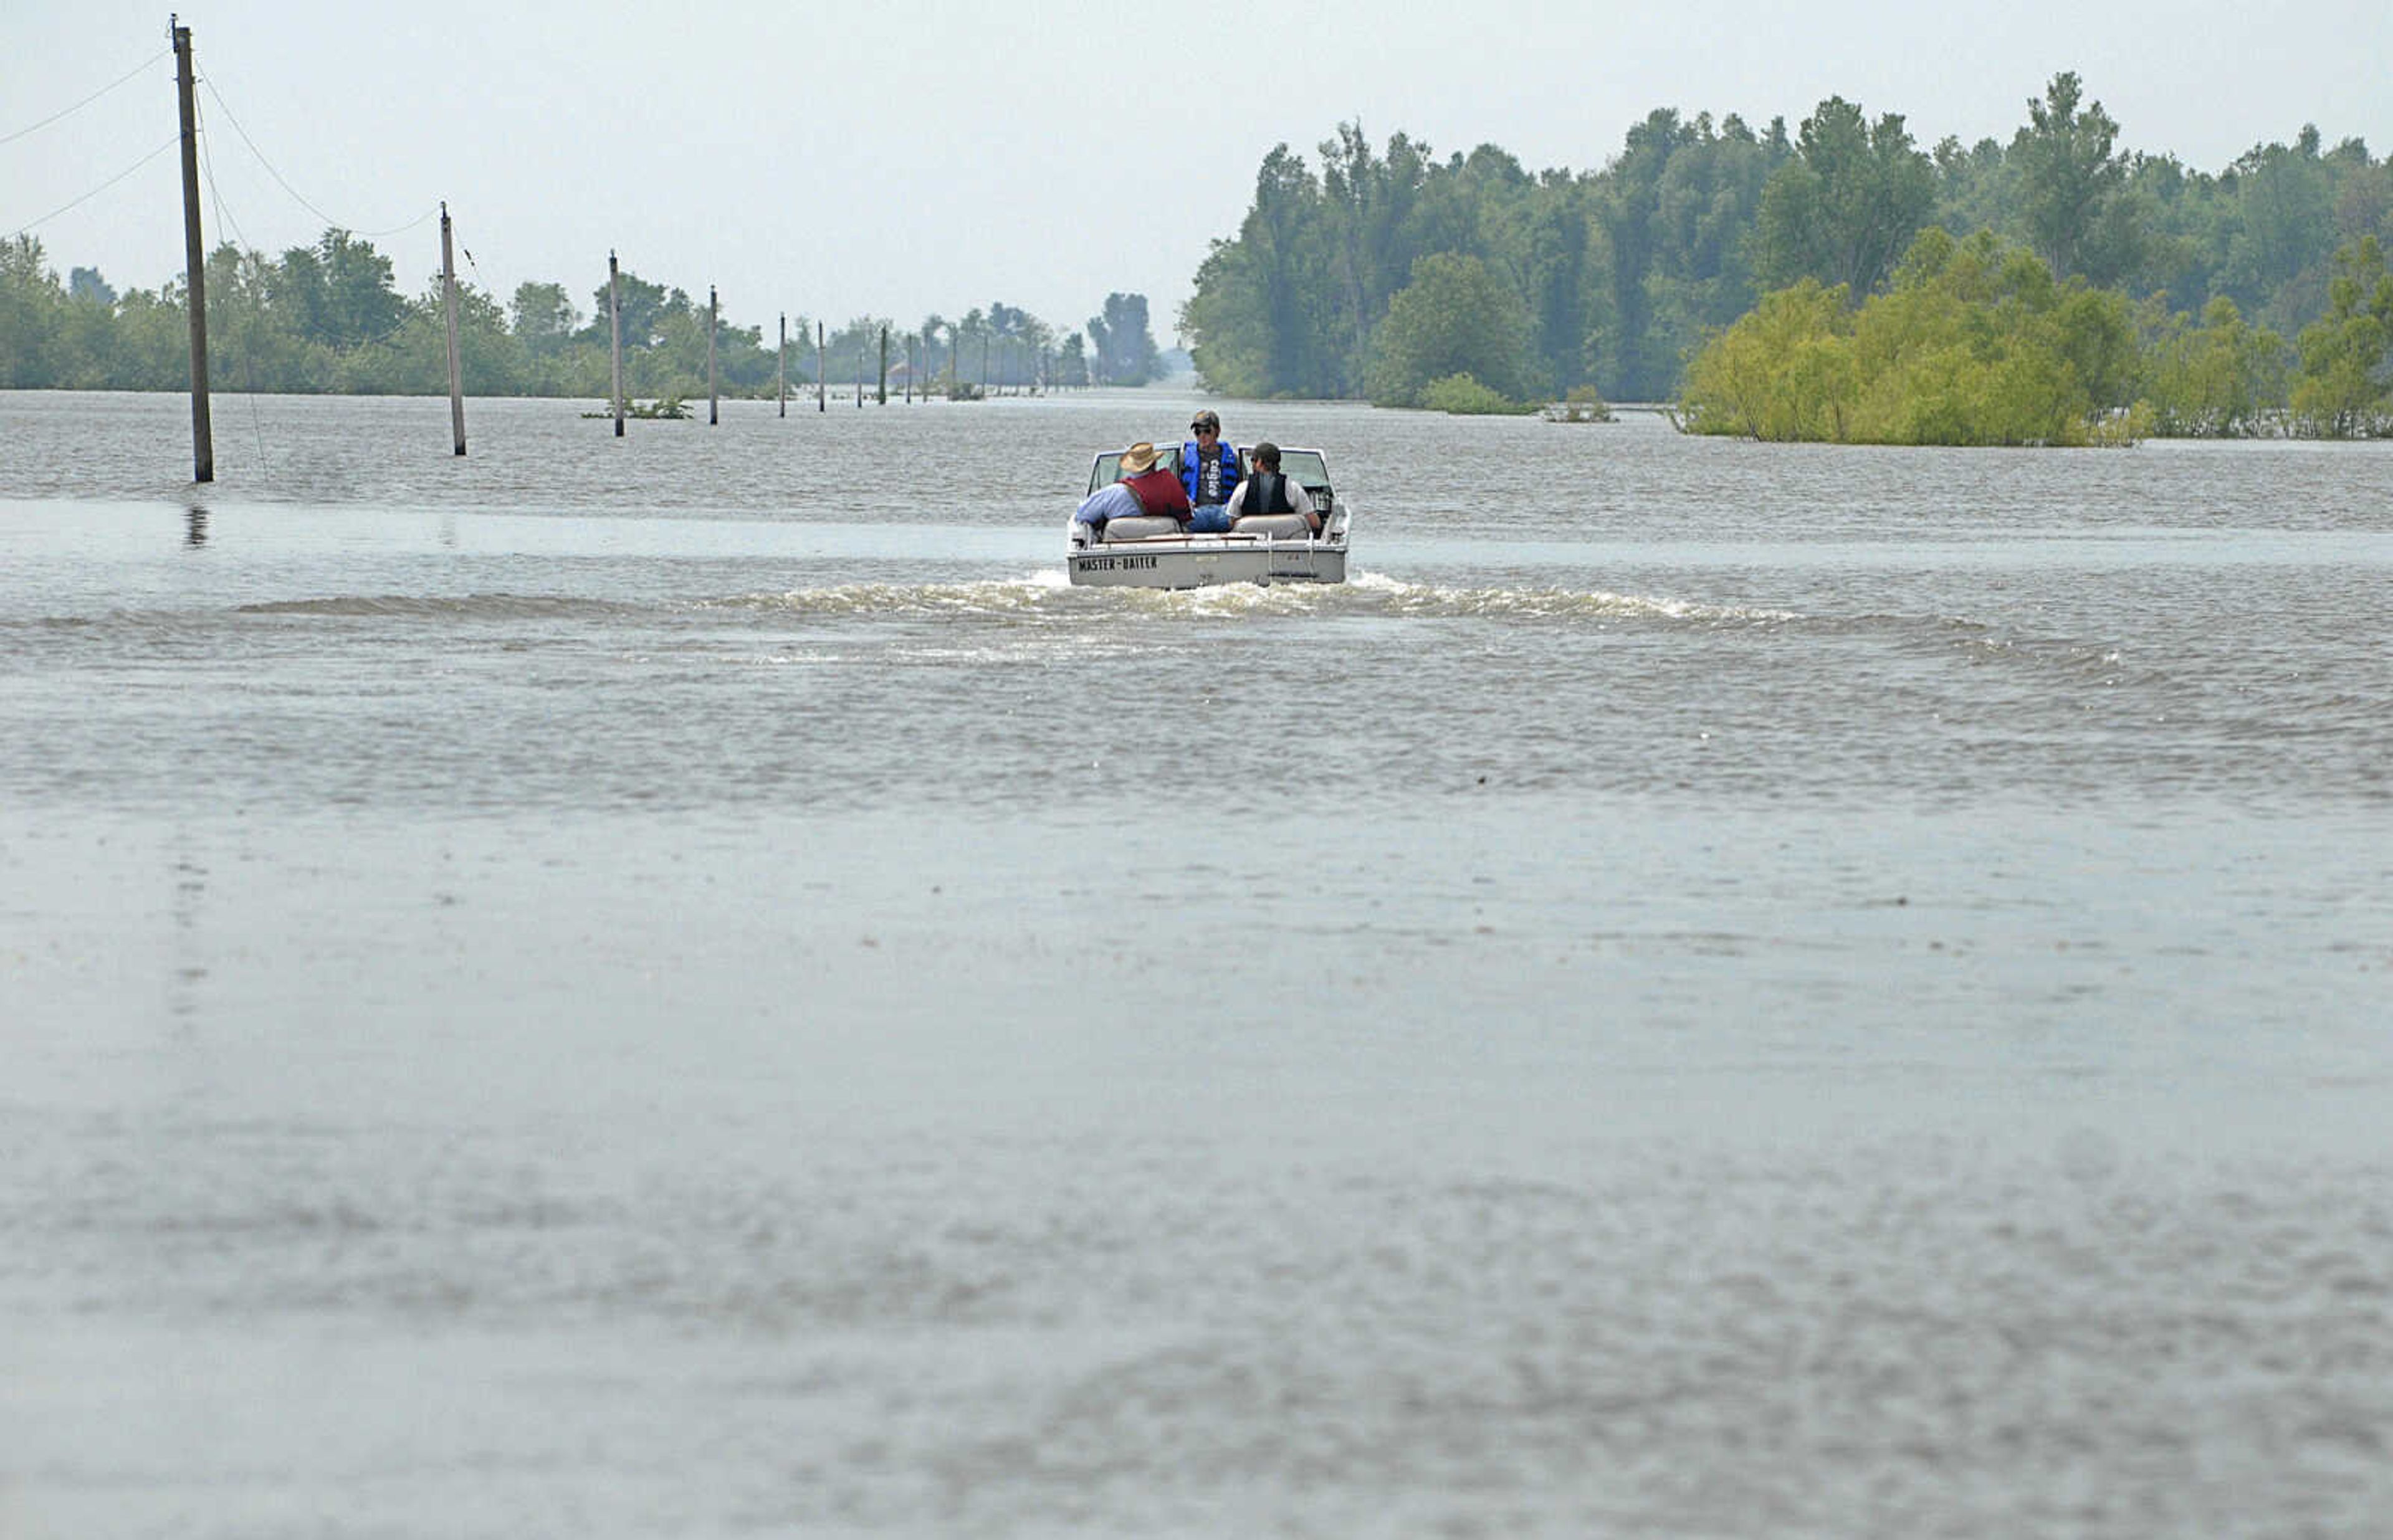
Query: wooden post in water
(713,314)
(615,327)
(449,302)
(883,398)
(859,373)
(781,374)
(910,369)
(195,262)
(822,375)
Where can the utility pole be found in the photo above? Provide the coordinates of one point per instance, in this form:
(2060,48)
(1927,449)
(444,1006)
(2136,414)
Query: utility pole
(615,326)
(781,370)
(448,301)
(195,259)
(713,314)
(883,398)
(822,375)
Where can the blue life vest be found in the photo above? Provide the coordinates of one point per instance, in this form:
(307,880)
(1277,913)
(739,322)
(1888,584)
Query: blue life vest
(1193,477)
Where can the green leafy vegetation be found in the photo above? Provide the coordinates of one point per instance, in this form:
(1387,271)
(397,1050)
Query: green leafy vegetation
(1616,279)
(326,317)
(1976,344)
(1455,322)
(1463,396)
(2345,387)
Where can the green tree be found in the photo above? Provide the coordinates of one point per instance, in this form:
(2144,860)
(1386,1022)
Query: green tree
(31,313)
(1454,318)
(644,306)
(2280,255)
(1126,350)
(2068,174)
(257,337)
(1972,342)
(1784,371)
(1622,352)
(2220,380)
(2345,389)
(85,285)
(1700,276)
(1262,320)
(1848,203)
(544,317)
(338,293)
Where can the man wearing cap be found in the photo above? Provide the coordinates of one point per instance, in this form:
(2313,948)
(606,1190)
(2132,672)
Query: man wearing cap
(1209,471)
(1157,491)
(1267,491)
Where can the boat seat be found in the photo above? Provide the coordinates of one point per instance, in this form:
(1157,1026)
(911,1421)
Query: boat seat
(1277,525)
(1141,528)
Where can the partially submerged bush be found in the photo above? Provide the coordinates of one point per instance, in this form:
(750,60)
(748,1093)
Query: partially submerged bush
(1465,397)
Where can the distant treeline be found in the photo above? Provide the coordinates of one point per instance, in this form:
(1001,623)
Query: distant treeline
(1379,273)
(326,318)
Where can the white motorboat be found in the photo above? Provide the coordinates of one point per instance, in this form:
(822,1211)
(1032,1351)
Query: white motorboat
(1266,548)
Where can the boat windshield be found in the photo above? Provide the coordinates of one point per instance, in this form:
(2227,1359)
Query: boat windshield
(1107,470)
(1306,468)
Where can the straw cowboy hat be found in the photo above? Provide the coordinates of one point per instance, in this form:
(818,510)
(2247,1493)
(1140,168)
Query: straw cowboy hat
(1138,460)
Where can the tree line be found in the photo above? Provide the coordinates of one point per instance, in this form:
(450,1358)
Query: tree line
(1380,273)
(326,317)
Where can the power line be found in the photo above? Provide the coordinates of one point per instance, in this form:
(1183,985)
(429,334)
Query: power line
(295,193)
(97,190)
(225,219)
(87,101)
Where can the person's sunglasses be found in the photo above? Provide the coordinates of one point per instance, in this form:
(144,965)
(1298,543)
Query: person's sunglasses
(1202,428)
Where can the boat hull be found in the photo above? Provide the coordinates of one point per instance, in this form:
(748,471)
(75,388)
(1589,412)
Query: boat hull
(1206,562)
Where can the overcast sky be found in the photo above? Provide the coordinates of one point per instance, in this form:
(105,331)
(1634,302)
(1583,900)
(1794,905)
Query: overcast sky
(901,158)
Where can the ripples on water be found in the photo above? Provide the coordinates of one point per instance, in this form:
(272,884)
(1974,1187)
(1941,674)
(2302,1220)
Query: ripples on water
(695,984)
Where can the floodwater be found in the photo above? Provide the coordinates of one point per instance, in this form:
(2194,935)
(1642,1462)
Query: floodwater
(693,986)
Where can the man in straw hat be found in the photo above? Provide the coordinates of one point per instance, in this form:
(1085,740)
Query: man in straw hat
(1157,491)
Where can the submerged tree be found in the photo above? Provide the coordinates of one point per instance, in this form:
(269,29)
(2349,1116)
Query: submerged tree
(2346,389)
(1455,318)
(1974,343)
(1126,350)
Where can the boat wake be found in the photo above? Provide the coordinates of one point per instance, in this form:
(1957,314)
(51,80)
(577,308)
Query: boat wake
(469,606)
(1049,594)
(1394,596)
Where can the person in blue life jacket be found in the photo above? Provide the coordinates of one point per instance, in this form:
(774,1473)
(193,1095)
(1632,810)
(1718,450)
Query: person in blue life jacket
(1209,468)
(1266,492)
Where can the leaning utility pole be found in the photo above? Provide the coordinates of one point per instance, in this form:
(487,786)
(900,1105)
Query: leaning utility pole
(195,256)
(449,300)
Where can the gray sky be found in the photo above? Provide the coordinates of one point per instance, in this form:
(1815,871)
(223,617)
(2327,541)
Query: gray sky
(928,155)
